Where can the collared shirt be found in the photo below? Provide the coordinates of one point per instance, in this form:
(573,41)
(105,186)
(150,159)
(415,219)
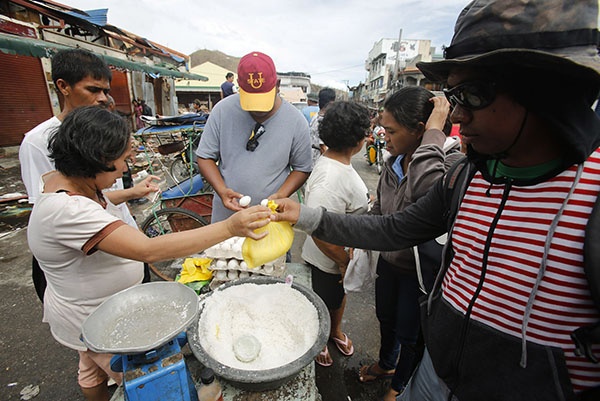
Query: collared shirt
(397,167)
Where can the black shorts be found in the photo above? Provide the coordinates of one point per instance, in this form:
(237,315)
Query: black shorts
(328,287)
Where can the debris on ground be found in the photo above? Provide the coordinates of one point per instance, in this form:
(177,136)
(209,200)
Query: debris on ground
(13,196)
(14,209)
(30,391)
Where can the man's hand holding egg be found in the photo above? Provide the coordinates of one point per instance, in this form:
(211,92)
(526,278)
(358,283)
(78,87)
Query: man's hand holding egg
(245,201)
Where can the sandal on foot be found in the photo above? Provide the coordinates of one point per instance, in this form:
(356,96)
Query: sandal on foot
(325,355)
(390,395)
(367,374)
(342,345)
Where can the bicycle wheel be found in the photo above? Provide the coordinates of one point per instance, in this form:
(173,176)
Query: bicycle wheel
(379,161)
(371,154)
(180,170)
(165,221)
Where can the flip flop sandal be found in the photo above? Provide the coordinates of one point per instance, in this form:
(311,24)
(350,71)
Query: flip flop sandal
(366,374)
(343,345)
(325,354)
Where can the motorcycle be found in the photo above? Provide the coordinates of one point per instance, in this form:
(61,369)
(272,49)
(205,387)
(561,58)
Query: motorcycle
(375,150)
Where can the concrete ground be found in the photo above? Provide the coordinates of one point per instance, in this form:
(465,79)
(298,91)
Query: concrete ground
(30,356)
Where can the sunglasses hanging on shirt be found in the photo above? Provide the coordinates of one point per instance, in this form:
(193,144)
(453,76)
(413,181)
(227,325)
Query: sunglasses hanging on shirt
(257,132)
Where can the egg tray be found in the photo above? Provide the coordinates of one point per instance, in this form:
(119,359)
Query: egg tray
(228,263)
(230,248)
(276,268)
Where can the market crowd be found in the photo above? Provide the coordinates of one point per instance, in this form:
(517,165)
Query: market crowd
(488,284)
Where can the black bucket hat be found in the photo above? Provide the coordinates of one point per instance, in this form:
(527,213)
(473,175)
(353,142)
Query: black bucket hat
(559,36)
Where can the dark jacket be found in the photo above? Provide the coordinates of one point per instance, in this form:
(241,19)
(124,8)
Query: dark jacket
(474,360)
(428,164)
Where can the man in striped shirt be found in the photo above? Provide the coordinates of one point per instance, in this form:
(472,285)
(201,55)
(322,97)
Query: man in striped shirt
(522,76)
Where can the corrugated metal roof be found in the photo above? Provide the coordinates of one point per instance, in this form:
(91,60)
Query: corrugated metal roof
(97,17)
(95,21)
(12,44)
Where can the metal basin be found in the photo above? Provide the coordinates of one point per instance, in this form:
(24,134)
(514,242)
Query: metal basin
(267,379)
(140,318)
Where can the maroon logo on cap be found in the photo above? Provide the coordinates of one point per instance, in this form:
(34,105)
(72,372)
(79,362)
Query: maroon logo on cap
(256,83)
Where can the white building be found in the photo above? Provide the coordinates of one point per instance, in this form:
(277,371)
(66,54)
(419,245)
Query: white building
(378,65)
(387,59)
(295,79)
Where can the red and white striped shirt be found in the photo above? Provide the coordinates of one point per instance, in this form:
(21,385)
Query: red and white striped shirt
(563,302)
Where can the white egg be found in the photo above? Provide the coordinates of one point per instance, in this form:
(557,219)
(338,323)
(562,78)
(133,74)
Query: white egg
(264,202)
(221,264)
(245,201)
(233,264)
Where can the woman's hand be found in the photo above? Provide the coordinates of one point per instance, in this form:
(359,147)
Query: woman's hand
(439,114)
(287,210)
(244,222)
(139,190)
(144,187)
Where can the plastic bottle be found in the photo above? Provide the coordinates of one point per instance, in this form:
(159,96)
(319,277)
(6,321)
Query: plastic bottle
(140,176)
(210,388)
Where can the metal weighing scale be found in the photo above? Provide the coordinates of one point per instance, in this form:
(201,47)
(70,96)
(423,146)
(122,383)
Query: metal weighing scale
(144,326)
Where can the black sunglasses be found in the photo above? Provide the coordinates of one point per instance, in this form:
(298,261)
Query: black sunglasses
(473,95)
(256,133)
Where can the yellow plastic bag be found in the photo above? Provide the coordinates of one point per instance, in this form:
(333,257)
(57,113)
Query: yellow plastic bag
(195,269)
(269,248)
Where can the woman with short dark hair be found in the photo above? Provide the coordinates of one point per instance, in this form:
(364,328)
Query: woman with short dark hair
(85,249)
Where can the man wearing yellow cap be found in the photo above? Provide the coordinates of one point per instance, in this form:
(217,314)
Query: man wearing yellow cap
(254,143)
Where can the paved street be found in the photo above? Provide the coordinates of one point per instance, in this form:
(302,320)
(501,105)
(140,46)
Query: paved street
(31,356)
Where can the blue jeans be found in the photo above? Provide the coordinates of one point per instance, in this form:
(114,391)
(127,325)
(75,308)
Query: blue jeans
(397,308)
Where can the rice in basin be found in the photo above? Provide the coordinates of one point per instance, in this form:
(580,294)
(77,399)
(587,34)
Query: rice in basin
(281,318)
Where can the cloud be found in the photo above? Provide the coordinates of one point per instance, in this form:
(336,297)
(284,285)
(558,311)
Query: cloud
(328,39)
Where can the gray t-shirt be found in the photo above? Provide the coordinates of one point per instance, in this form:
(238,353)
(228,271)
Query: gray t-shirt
(285,145)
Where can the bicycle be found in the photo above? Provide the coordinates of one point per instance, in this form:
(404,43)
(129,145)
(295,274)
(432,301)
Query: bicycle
(183,206)
(178,209)
(184,166)
(166,221)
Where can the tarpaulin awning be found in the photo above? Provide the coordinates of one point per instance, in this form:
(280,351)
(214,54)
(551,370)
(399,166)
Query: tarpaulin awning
(19,45)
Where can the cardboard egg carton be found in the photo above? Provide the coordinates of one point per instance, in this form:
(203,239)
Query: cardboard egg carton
(274,268)
(228,249)
(227,256)
(225,270)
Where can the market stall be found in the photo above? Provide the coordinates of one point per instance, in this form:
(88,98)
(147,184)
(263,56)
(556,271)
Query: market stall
(302,386)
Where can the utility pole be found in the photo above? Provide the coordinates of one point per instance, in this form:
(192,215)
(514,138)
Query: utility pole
(397,64)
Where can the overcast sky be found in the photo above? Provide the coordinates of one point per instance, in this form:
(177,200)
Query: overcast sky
(328,39)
